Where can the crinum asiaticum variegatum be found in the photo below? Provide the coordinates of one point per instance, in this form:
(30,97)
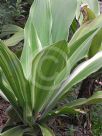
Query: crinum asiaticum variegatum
(48,67)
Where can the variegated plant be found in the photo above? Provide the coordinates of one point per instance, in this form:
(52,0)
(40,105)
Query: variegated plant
(48,67)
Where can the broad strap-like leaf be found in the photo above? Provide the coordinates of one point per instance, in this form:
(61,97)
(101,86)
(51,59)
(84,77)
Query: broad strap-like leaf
(15,39)
(78,51)
(9,95)
(63,13)
(46,131)
(40,16)
(13,71)
(101,47)
(37,32)
(65,110)
(81,72)
(45,69)
(16,32)
(9,29)
(73,107)
(16,131)
(68,110)
(46,25)
(84,70)
(86,28)
(96,44)
(31,45)
(7,91)
(3,96)
(80,48)
(93,43)
(94,99)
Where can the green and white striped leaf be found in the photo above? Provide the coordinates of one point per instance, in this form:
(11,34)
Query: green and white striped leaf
(66,110)
(31,46)
(46,25)
(77,51)
(20,89)
(37,32)
(15,39)
(86,28)
(94,99)
(96,44)
(3,96)
(80,48)
(96,41)
(84,70)
(73,107)
(45,69)
(63,13)
(40,16)
(10,96)
(17,34)
(81,72)
(9,29)
(13,71)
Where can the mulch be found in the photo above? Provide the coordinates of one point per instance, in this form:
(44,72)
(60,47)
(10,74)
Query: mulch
(3,106)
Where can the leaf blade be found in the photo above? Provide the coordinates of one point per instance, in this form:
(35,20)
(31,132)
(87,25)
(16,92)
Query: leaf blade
(62,20)
(46,131)
(17,131)
(45,70)
(13,71)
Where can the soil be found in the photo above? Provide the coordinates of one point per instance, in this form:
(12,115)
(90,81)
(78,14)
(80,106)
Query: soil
(3,106)
(63,125)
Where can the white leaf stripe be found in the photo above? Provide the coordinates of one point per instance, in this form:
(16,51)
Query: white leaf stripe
(86,68)
(80,73)
(13,71)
